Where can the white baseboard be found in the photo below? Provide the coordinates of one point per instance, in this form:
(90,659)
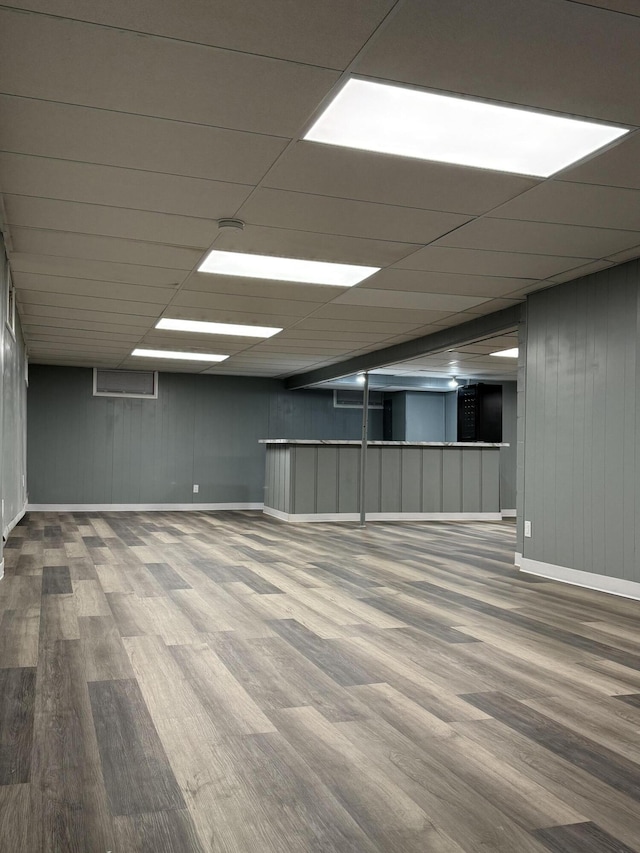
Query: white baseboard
(194,507)
(517,558)
(382,516)
(13,522)
(508,513)
(602,583)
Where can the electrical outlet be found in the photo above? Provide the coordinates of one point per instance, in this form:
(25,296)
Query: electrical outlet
(527,529)
(196,488)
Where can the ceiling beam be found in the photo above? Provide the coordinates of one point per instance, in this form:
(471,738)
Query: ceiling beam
(474,330)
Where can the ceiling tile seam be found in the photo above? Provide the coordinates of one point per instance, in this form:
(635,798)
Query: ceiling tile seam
(107,296)
(485,214)
(96,260)
(80,106)
(103,165)
(160,37)
(137,302)
(315,111)
(604,10)
(134,240)
(153,211)
(358,200)
(214,224)
(551,222)
(96,280)
(93,310)
(328,96)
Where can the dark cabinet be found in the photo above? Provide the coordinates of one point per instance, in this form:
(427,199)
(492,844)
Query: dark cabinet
(480,412)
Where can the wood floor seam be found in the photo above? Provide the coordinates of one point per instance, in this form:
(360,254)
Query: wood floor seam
(226,683)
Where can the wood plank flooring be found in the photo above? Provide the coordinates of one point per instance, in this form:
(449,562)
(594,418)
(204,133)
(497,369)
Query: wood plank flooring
(186,683)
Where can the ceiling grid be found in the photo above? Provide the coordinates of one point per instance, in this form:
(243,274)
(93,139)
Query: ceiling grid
(128,130)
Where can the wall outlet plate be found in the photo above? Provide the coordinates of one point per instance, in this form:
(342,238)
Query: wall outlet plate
(196,488)
(527,529)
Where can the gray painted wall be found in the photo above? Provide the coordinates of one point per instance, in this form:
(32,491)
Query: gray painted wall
(582,422)
(520,433)
(425,416)
(12,411)
(201,429)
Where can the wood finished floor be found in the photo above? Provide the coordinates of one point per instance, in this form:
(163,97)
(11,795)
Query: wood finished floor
(197,682)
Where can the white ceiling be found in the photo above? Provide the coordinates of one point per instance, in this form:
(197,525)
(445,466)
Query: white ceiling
(128,129)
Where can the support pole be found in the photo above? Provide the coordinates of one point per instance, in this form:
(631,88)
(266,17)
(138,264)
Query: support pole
(363,449)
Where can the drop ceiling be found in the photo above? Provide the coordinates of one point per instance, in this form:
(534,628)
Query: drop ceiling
(128,129)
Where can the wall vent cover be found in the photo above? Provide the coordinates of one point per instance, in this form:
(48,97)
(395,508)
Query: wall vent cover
(346,398)
(125,383)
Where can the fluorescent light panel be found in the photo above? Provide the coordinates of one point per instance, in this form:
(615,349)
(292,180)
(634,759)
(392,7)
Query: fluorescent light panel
(185,356)
(284,269)
(507,353)
(392,119)
(205,328)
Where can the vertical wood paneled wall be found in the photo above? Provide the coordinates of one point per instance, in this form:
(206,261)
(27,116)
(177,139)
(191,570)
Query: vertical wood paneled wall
(12,411)
(582,425)
(201,429)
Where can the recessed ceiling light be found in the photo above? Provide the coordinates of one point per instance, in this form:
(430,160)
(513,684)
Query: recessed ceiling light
(285,269)
(186,356)
(393,119)
(507,353)
(217,328)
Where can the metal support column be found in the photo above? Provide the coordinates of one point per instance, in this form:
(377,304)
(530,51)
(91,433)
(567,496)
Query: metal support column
(363,449)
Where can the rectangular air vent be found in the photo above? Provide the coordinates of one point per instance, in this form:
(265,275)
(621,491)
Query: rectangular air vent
(125,383)
(346,398)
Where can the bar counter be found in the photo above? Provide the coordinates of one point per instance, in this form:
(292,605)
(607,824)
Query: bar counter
(315,480)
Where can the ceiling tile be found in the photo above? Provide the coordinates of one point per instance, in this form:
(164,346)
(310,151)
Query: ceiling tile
(617,167)
(328,33)
(334,311)
(384,327)
(104,289)
(67,325)
(549,55)
(627,7)
(423,281)
(252,305)
(260,239)
(407,299)
(576,204)
(81,317)
(627,255)
(330,215)
(49,332)
(136,142)
(508,235)
(344,173)
(33,241)
(129,188)
(91,303)
(95,270)
(587,269)
(263,288)
(482,262)
(109,221)
(116,70)
(220,315)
